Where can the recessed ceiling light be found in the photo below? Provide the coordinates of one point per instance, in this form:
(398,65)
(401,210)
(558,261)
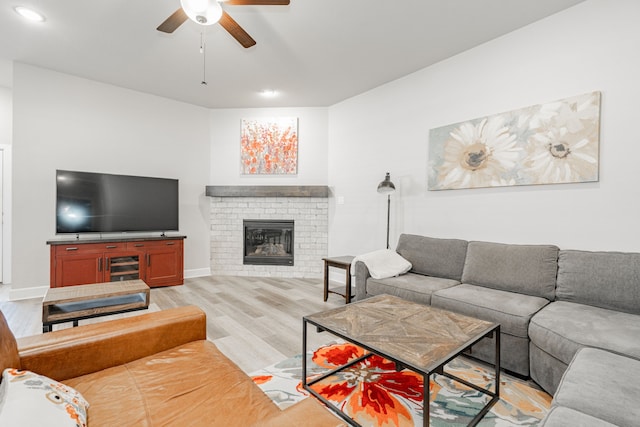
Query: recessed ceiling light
(29,14)
(269,93)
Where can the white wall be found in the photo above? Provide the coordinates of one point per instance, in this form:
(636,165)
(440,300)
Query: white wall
(64,122)
(6,135)
(60,121)
(6,116)
(590,47)
(312,146)
(6,73)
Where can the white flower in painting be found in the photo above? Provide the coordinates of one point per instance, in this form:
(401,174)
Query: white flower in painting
(559,156)
(565,145)
(479,156)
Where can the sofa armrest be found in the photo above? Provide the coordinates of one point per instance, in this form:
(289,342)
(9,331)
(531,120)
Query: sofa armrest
(78,351)
(361,276)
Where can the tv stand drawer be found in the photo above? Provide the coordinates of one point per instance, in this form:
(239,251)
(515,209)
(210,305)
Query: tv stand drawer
(154,244)
(89,247)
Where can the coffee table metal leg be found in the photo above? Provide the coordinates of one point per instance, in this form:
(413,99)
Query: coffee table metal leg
(426,397)
(326,280)
(495,395)
(347,295)
(307,384)
(497,362)
(304,353)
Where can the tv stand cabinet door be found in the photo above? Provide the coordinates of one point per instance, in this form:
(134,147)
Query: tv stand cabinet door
(78,269)
(164,263)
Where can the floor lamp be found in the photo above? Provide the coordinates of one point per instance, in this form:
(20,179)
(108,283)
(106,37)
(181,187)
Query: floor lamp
(387,187)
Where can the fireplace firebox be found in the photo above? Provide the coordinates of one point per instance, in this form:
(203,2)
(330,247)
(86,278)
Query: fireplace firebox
(268,242)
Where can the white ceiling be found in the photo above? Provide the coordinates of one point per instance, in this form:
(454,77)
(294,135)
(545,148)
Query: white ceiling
(313,52)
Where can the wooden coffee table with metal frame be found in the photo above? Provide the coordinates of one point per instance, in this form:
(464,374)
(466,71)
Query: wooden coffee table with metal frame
(74,303)
(414,336)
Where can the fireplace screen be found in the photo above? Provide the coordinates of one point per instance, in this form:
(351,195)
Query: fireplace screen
(268,242)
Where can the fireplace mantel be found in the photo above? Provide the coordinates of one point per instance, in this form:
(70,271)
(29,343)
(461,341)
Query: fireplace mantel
(267,191)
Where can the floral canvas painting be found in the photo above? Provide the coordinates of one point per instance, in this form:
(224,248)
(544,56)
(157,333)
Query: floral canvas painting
(551,143)
(269,146)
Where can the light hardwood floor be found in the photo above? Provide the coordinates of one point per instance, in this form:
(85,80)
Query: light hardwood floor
(256,322)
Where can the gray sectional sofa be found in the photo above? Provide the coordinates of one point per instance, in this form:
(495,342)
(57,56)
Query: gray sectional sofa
(598,389)
(549,302)
(597,304)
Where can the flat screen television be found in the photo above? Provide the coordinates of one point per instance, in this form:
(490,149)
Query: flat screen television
(89,202)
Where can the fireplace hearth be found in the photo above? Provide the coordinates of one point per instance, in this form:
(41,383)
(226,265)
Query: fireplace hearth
(268,242)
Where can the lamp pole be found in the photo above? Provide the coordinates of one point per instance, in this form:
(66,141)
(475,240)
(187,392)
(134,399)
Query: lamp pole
(387,187)
(388,216)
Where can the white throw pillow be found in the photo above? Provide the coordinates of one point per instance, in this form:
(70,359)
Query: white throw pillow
(384,263)
(28,399)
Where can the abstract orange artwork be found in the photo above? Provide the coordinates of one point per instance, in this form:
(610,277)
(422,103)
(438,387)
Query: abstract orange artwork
(269,146)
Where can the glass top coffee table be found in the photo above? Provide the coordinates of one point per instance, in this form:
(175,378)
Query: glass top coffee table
(413,336)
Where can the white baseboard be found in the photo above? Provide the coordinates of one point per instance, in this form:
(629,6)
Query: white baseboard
(198,272)
(27,293)
(39,291)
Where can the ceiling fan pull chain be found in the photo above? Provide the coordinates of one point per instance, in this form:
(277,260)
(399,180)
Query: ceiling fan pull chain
(203,50)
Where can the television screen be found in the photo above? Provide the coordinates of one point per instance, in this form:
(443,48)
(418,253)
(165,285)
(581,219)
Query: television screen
(103,203)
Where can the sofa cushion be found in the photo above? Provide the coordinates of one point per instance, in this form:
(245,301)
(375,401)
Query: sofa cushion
(410,286)
(526,269)
(602,279)
(432,256)
(511,310)
(559,416)
(29,399)
(308,413)
(603,385)
(561,328)
(191,383)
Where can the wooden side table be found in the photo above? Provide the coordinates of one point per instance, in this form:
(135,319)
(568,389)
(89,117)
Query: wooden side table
(343,262)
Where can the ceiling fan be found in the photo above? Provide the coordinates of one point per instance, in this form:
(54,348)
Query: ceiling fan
(209,12)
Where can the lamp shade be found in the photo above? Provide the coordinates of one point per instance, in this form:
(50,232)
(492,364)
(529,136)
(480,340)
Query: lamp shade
(204,12)
(386,186)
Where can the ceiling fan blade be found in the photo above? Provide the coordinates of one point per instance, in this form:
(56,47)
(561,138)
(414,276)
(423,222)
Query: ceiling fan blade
(257,2)
(229,24)
(173,22)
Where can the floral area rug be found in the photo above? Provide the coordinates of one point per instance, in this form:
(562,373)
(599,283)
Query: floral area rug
(373,393)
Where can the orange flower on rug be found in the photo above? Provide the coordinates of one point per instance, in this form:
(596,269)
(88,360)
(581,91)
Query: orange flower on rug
(373,393)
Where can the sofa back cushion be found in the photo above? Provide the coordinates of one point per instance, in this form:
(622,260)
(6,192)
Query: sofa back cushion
(433,257)
(525,269)
(8,348)
(601,279)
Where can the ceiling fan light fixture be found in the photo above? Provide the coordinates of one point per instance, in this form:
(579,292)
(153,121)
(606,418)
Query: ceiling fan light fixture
(204,12)
(29,14)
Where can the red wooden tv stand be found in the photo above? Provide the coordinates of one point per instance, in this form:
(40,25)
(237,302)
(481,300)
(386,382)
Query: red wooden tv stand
(159,261)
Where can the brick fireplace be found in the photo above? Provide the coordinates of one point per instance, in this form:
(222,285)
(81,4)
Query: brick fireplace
(306,206)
